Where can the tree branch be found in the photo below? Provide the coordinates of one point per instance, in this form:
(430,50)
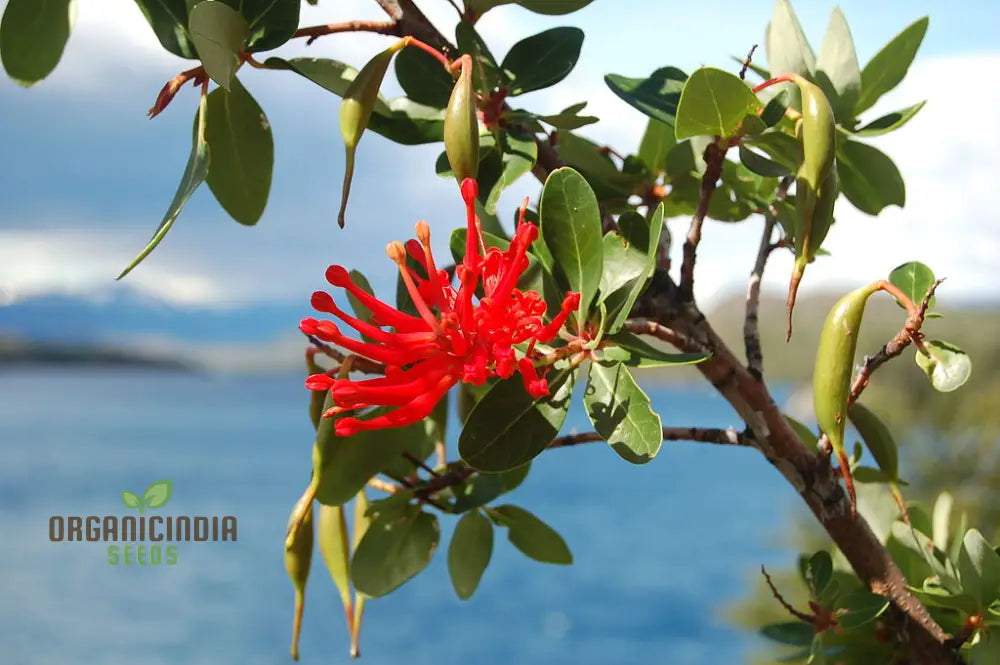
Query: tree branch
(640,326)
(729,437)
(316,31)
(714,157)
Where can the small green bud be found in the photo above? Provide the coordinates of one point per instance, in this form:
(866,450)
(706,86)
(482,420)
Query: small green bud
(461,127)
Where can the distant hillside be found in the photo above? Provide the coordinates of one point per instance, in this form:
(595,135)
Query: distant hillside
(15,352)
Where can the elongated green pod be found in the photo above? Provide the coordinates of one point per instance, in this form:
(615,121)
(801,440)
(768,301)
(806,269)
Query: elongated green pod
(461,127)
(355,112)
(336,549)
(298,559)
(838,343)
(815,183)
(361,522)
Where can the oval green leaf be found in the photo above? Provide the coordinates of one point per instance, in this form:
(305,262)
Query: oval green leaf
(157,494)
(656,95)
(542,60)
(792,633)
(169,21)
(787,48)
(130,499)
(218,32)
(877,437)
(532,536)
(571,229)
(869,178)
(948,366)
(888,67)
(915,279)
(33,35)
(422,77)
(509,427)
(469,553)
(639,353)
(714,103)
(862,607)
(890,121)
(393,550)
(621,412)
(553,7)
(838,72)
(239,137)
(272,22)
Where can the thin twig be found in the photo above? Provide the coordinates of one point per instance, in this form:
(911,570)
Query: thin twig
(361,364)
(801,616)
(729,437)
(314,32)
(714,157)
(751,332)
(746,63)
(416,461)
(641,326)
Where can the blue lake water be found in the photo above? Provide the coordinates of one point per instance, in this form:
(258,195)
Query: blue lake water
(658,549)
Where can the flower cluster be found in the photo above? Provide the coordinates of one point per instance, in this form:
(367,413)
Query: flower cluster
(455,336)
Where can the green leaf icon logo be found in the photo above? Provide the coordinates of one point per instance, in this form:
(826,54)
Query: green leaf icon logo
(130,499)
(157,494)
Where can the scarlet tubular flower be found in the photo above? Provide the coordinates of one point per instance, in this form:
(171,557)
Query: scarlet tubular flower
(455,336)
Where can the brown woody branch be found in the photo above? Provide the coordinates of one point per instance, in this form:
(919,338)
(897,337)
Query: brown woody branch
(729,437)
(714,156)
(314,32)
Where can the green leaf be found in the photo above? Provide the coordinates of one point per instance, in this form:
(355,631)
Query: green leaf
(915,279)
(781,148)
(657,142)
(271,22)
(890,122)
(888,67)
(469,553)
(569,118)
(486,74)
(332,75)
(862,607)
(335,546)
(477,491)
(714,103)
(877,438)
(774,110)
(979,568)
(819,572)
(513,478)
(509,427)
(788,50)
(762,165)
(624,261)
(218,32)
(640,354)
(571,229)
(542,60)
(169,20)
(239,137)
(532,536)
(518,158)
(807,436)
(359,309)
(33,34)
(793,633)
(985,647)
(869,178)
(347,463)
(553,7)
(656,95)
(621,412)
(838,72)
(130,499)
(948,366)
(194,174)
(393,550)
(423,78)
(157,494)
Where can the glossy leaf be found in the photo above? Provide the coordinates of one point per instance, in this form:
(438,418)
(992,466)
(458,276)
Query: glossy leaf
(335,546)
(239,137)
(761,165)
(394,550)
(979,568)
(890,122)
(948,366)
(169,20)
(714,103)
(423,78)
(819,572)
(218,32)
(509,427)
(807,436)
(486,74)
(888,67)
(793,633)
(869,178)
(194,174)
(621,412)
(569,117)
(469,552)
(624,262)
(877,438)
(553,7)
(271,22)
(332,75)
(571,229)
(656,95)
(633,351)
(915,279)
(532,536)
(837,67)
(33,35)
(478,491)
(862,607)
(542,60)
(788,50)
(656,143)
(643,238)
(518,158)
(780,147)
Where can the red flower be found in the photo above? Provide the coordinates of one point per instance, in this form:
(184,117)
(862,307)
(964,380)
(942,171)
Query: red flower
(456,337)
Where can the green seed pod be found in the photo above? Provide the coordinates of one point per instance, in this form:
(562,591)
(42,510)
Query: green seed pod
(355,111)
(461,127)
(816,187)
(298,557)
(335,547)
(838,342)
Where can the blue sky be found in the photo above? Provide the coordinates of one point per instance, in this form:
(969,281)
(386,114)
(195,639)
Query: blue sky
(85,176)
